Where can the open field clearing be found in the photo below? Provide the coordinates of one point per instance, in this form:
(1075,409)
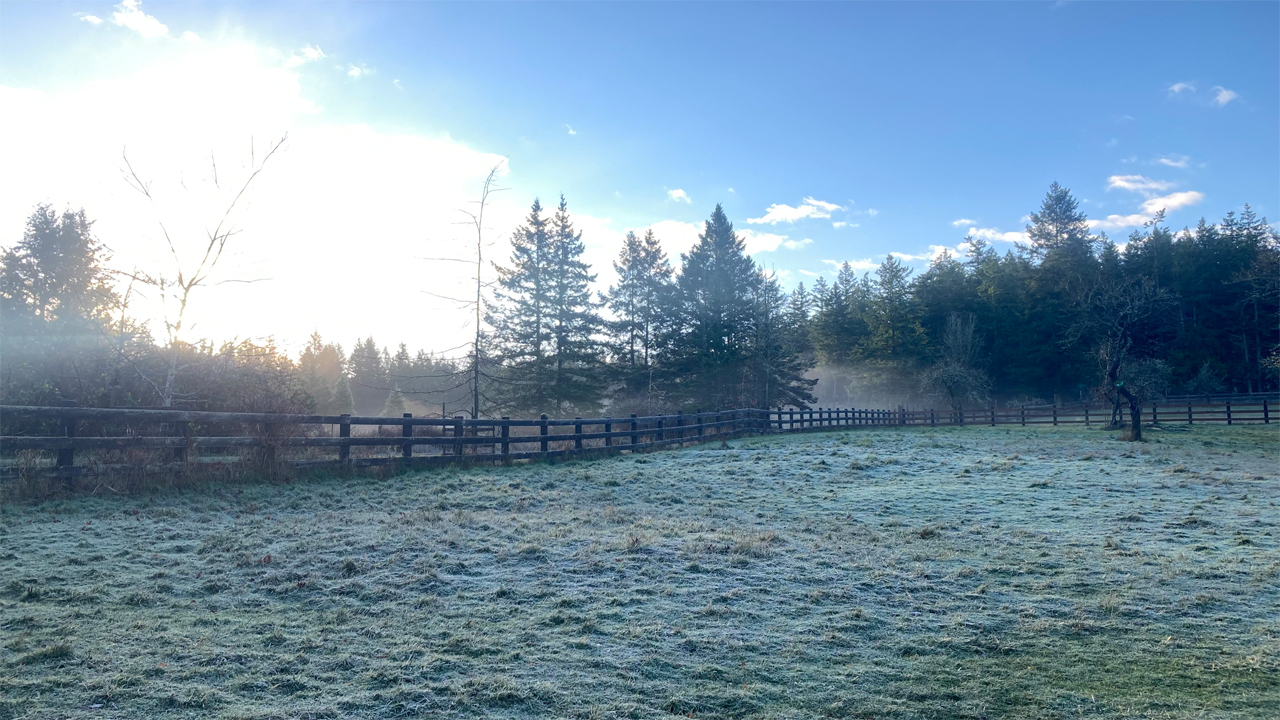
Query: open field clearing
(958,572)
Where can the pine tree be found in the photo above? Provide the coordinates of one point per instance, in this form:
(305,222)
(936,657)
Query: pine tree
(343,404)
(576,382)
(709,345)
(798,329)
(777,365)
(394,406)
(520,318)
(56,272)
(320,365)
(369,382)
(637,302)
(896,337)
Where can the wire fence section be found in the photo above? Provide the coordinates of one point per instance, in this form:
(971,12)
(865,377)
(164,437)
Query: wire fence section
(73,441)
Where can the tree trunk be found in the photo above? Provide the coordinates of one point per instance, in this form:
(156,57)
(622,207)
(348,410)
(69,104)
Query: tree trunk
(1135,414)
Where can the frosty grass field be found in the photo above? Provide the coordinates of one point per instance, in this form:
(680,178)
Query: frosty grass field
(958,572)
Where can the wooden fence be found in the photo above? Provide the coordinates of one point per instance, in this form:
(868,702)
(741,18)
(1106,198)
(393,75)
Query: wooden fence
(1260,411)
(72,441)
(99,441)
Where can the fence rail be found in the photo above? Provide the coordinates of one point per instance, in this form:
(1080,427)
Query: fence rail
(121,439)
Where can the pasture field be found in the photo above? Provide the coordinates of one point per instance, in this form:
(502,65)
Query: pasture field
(967,572)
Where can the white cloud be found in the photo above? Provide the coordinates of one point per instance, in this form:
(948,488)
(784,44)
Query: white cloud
(359,71)
(679,196)
(1112,143)
(1137,183)
(1150,206)
(1172,202)
(1222,96)
(732,190)
(758,242)
(962,221)
(996,235)
(842,223)
(810,273)
(809,208)
(190,37)
(797,244)
(129,14)
(396,82)
(825,206)
(1178,161)
(676,237)
(1176,88)
(863,265)
(308,53)
(91,19)
(1152,203)
(571,130)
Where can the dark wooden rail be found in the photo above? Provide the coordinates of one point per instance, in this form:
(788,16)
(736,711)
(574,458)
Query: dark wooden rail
(123,439)
(102,439)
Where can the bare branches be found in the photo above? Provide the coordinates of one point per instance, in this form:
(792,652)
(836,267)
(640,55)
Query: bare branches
(184,279)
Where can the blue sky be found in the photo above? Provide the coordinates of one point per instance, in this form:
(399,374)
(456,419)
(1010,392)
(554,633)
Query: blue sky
(830,131)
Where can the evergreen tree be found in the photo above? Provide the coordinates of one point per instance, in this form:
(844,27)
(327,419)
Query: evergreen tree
(777,365)
(320,366)
(343,404)
(394,406)
(576,382)
(520,318)
(637,302)
(896,337)
(798,322)
(56,272)
(709,345)
(369,382)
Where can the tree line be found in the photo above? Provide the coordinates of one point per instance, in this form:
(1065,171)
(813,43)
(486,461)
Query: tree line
(1067,315)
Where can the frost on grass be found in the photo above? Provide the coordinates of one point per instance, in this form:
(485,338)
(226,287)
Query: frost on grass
(960,572)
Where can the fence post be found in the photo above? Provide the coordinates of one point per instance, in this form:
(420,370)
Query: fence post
(457,434)
(542,430)
(406,430)
(699,423)
(1023,414)
(1055,414)
(635,436)
(1228,412)
(1086,414)
(344,431)
(993,416)
(1155,417)
(662,435)
(680,424)
(608,428)
(181,429)
(506,436)
(577,432)
(67,456)
(1266,412)
(269,448)
(1190,419)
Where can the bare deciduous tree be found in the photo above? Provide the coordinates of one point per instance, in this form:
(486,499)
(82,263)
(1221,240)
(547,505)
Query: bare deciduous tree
(956,376)
(1111,312)
(177,285)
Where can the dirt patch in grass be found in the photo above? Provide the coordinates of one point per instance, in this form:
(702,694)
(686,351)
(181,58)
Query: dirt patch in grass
(958,572)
